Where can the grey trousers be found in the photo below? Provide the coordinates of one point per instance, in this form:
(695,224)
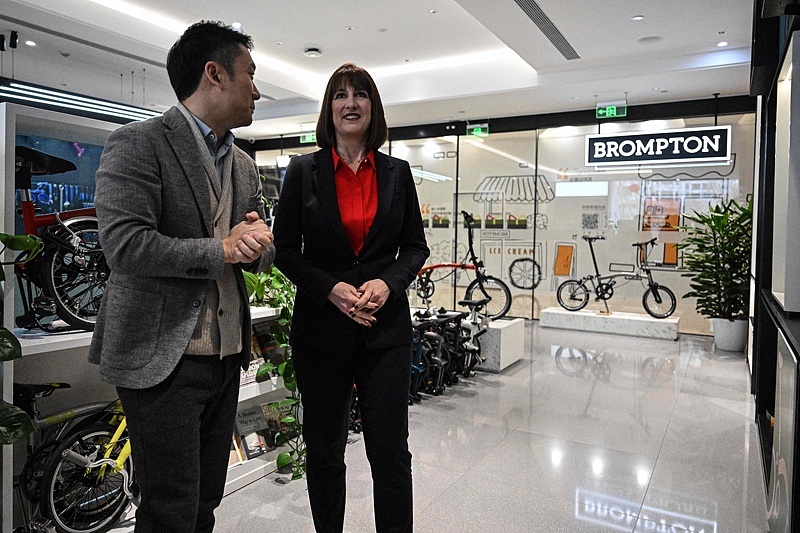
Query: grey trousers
(180,433)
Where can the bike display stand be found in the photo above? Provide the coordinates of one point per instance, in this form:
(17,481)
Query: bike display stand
(616,323)
(503,345)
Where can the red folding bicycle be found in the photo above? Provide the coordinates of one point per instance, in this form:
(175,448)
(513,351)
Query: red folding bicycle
(68,279)
(483,286)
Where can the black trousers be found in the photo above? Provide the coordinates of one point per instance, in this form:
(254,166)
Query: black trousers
(180,433)
(382,378)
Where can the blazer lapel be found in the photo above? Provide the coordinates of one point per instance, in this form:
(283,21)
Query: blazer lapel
(324,181)
(180,138)
(386,185)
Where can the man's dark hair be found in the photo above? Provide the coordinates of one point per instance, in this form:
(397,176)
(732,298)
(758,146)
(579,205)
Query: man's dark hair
(360,80)
(200,43)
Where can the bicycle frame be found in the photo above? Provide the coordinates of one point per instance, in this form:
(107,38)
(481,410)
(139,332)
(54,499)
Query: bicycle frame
(54,284)
(475,264)
(659,301)
(642,267)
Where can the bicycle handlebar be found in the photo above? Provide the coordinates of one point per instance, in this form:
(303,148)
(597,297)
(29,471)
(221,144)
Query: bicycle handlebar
(640,244)
(86,462)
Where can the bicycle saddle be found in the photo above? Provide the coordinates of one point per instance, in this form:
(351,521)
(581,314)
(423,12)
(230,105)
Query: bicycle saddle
(30,162)
(474,303)
(39,390)
(42,163)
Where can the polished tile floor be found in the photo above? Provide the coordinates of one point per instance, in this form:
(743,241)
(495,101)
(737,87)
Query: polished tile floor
(588,433)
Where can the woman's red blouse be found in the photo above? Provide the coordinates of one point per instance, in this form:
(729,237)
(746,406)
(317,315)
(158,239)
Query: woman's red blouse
(358,197)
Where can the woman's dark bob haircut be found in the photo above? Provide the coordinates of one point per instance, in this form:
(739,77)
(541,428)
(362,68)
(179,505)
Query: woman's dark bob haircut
(358,78)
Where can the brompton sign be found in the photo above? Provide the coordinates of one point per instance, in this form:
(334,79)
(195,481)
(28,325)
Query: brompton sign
(688,145)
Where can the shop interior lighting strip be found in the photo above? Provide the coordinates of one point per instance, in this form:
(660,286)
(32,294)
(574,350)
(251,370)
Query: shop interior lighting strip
(28,93)
(430,176)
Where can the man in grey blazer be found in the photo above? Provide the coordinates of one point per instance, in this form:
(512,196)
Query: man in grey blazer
(180,214)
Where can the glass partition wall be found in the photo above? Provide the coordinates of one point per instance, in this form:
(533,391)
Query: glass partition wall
(533,199)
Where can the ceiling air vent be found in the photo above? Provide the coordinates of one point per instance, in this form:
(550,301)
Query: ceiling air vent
(549,29)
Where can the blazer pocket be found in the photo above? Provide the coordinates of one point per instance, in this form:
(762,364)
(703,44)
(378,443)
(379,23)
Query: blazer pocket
(133,320)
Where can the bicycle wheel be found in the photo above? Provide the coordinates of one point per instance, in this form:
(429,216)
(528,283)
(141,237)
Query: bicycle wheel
(76,279)
(81,500)
(525,273)
(425,288)
(572,295)
(659,301)
(493,288)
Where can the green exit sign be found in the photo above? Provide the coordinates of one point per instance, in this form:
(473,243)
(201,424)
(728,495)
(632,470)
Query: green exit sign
(478,130)
(611,111)
(309,138)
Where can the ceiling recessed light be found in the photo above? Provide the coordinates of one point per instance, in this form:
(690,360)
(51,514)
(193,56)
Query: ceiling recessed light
(30,43)
(655,88)
(433,11)
(637,17)
(575,97)
(279,43)
(349,28)
(312,52)
(722,43)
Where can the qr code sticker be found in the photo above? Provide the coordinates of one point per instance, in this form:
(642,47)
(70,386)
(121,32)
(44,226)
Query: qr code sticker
(591,221)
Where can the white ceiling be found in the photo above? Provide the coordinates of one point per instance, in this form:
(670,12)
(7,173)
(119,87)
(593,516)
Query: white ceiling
(433,60)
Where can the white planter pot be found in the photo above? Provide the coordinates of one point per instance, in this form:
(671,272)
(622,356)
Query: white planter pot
(730,335)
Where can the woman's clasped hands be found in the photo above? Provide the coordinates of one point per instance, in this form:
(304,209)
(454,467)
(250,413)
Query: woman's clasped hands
(361,303)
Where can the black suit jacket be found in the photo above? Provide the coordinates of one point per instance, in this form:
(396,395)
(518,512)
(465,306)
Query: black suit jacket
(313,252)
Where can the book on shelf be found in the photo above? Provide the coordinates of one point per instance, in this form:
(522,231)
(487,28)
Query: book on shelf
(249,376)
(253,445)
(236,456)
(266,344)
(250,419)
(273,415)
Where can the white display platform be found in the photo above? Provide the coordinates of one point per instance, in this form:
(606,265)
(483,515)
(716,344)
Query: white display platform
(617,323)
(503,345)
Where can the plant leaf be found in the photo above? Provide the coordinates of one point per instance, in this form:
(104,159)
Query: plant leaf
(10,348)
(264,372)
(284,459)
(15,424)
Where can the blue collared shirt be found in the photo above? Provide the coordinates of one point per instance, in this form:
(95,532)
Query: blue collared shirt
(211,141)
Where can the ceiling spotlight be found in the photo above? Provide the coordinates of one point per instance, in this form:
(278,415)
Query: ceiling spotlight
(637,18)
(312,52)
(722,43)
(13,39)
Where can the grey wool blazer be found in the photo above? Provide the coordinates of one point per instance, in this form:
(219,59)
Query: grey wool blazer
(155,224)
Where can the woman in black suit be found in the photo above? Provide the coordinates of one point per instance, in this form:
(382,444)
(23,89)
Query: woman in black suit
(349,234)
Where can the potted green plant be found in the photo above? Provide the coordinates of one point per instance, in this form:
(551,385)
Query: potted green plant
(716,254)
(15,424)
(274,289)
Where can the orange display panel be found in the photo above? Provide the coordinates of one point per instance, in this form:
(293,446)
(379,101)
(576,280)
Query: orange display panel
(563,263)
